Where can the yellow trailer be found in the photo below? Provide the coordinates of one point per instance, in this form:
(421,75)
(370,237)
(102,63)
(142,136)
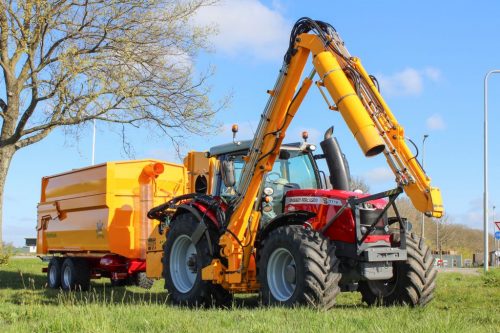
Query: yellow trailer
(92,222)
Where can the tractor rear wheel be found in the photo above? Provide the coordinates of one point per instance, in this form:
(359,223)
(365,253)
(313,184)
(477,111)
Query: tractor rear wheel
(297,266)
(413,283)
(183,262)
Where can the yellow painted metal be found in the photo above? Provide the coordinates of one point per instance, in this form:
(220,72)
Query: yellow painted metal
(244,221)
(102,209)
(154,264)
(197,165)
(344,95)
(418,187)
(349,104)
(154,253)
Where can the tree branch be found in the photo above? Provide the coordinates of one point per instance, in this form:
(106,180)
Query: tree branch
(4,35)
(123,62)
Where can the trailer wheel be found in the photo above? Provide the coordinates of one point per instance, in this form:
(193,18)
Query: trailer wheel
(183,262)
(297,266)
(75,274)
(54,273)
(141,280)
(413,282)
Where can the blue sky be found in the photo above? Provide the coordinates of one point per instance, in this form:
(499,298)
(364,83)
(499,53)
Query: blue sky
(430,57)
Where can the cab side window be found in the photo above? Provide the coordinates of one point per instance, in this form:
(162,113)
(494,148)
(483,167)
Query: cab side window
(230,192)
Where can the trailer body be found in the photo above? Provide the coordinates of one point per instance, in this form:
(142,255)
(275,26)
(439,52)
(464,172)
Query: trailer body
(97,215)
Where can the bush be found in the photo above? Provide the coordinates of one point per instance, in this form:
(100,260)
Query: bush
(5,254)
(492,277)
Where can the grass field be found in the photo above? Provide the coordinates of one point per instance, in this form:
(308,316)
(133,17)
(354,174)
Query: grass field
(463,303)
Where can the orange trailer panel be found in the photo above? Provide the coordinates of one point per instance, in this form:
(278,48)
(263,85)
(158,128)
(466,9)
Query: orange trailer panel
(102,209)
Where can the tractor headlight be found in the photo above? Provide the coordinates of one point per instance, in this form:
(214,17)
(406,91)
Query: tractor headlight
(268,191)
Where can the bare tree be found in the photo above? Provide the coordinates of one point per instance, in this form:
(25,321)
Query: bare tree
(122,61)
(358,183)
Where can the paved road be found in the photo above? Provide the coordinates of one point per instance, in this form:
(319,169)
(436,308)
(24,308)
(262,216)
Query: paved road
(468,271)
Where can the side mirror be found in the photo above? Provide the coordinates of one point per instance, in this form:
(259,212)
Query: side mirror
(227,172)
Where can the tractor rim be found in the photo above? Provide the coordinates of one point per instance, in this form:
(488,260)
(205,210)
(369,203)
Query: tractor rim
(281,274)
(67,276)
(183,264)
(53,275)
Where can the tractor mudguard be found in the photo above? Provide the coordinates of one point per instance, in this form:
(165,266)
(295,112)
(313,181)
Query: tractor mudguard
(202,228)
(290,218)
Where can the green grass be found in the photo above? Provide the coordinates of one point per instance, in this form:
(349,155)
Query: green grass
(463,303)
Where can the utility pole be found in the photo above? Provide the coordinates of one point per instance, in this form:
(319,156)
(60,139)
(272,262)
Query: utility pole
(93,144)
(494,225)
(422,233)
(437,236)
(485,201)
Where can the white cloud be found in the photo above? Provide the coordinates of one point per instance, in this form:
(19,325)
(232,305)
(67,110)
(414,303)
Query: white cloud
(247,27)
(178,59)
(408,82)
(473,216)
(432,73)
(279,5)
(378,175)
(435,122)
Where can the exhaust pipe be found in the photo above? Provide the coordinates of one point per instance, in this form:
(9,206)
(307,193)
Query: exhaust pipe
(340,177)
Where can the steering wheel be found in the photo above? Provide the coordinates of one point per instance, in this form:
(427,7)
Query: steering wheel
(272,177)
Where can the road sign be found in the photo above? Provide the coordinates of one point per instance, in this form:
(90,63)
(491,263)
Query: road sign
(497,234)
(498,224)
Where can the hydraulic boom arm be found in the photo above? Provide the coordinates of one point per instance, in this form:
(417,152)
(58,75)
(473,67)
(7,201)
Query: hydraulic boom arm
(356,97)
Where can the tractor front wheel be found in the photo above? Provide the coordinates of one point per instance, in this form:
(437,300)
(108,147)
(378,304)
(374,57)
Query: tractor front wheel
(297,266)
(413,282)
(183,262)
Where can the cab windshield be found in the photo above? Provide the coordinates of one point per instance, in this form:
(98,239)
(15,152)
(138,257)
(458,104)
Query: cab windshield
(292,170)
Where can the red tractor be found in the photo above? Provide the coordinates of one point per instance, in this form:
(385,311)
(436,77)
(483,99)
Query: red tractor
(266,221)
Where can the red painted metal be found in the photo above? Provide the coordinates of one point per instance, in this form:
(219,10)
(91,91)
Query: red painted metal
(206,212)
(117,267)
(136,265)
(326,203)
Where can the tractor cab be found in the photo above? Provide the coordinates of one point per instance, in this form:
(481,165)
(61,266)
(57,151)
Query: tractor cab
(295,168)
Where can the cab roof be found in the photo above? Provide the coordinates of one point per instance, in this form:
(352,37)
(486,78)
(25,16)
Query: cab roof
(243,146)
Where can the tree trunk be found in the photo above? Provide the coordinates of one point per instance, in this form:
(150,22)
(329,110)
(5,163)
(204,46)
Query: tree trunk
(6,154)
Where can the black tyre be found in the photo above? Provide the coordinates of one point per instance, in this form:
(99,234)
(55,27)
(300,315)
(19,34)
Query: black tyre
(413,283)
(75,274)
(54,273)
(297,266)
(141,280)
(183,262)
